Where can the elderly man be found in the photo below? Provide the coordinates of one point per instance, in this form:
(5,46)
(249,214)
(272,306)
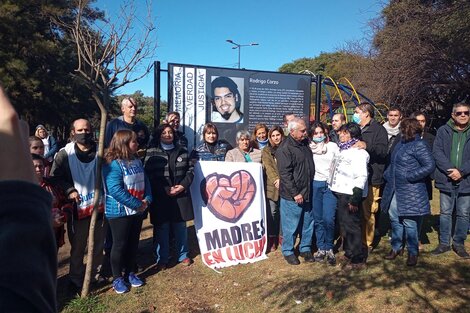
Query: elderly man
(296,171)
(375,141)
(337,121)
(74,169)
(226,101)
(452,177)
(128,120)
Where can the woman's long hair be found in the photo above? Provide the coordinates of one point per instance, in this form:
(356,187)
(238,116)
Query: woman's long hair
(119,146)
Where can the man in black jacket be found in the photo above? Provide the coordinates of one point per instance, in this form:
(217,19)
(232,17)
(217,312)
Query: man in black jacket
(375,141)
(296,171)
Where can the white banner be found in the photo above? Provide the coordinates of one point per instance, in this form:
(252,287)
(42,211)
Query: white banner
(200,103)
(229,212)
(189,101)
(178,90)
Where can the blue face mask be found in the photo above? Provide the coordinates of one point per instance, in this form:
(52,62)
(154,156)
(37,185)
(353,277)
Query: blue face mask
(356,118)
(318,139)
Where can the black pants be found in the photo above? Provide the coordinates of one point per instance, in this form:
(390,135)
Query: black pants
(350,224)
(126,233)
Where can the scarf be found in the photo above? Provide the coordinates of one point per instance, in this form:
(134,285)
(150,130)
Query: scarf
(167,147)
(348,144)
(392,131)
(318,148)
(262,143)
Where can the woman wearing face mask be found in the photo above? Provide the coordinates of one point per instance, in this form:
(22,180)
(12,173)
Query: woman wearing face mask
(324,202)
(170,172)
(211,148)
(276,136)
(245,151)
(260,137)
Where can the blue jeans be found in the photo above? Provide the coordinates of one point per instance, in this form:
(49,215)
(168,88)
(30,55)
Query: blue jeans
(408,226)
(324,211)
(295,218)
(461,202)
(161,237)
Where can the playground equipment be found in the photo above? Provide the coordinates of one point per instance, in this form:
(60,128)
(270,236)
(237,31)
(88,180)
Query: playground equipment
(342,97)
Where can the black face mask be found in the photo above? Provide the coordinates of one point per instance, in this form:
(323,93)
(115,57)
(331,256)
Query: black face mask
(84,138)
(141,141)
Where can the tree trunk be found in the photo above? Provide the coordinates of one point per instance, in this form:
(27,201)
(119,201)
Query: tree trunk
(103,105)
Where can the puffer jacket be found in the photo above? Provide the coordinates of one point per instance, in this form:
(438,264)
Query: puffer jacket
(411,163)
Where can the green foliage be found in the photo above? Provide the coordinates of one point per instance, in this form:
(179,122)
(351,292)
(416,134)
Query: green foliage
(37,64)
(89,304)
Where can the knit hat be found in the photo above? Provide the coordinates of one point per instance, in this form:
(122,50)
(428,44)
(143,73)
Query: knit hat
(40,126)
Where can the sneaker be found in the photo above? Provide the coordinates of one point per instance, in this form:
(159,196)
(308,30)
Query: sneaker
(461,252)
(319,256)
(308,257)
(134,280)
(440,249)
(330,257)
(119,285)
(292,259)
(187,262)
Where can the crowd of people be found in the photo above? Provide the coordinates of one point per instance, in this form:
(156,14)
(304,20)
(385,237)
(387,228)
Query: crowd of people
(326,187)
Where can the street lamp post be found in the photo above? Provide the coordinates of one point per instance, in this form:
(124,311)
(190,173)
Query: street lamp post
(239,47)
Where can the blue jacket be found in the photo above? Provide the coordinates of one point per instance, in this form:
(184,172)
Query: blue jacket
(53,148)
(441,150)
(123,188)
(411,163)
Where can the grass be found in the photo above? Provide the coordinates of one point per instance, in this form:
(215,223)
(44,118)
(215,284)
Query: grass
(436,284)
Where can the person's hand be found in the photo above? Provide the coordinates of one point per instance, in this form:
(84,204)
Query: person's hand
(276,183)
(360,145)
(352,208)
(15,158)
(299,199)
(176,189)
(454,174)
(58,218)
(75,197)
(143,206)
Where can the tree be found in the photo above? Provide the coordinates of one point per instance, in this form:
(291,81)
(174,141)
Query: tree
(421,55)
(36,64)
(108,55)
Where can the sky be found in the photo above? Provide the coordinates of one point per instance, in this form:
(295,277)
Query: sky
(195,31)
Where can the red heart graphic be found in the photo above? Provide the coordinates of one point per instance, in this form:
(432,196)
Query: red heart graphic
(228,197)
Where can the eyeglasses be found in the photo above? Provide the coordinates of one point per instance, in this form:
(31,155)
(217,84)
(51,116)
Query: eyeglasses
(458,113)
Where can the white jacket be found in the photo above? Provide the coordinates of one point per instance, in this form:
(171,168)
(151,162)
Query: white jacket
(349,170)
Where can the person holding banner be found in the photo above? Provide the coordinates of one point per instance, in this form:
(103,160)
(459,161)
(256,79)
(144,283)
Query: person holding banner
(211,148)
(296,172)
(268,157)
(170,172)
(244,152)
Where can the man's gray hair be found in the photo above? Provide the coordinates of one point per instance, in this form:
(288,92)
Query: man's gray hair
(242,134)
(293,124)
(458,105)
(126,100)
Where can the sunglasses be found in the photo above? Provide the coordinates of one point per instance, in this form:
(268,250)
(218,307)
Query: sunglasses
(458,113)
